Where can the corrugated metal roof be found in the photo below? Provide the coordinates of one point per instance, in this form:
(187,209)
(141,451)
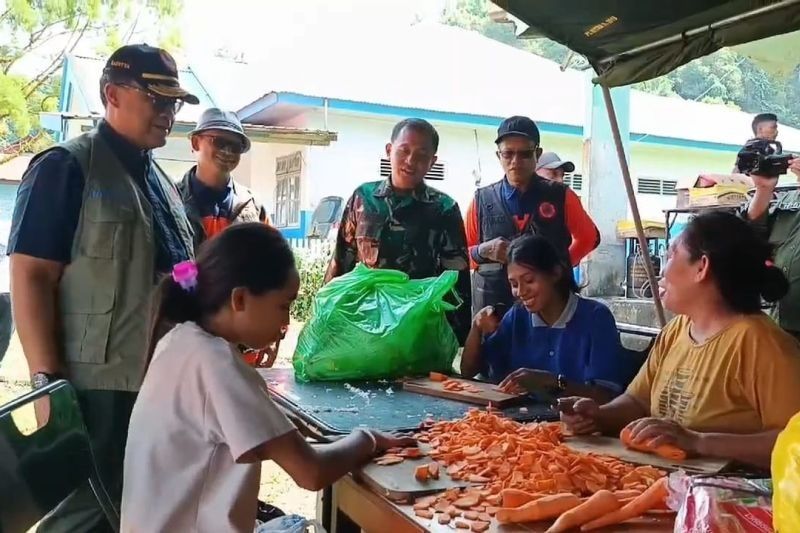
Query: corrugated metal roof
(87,72)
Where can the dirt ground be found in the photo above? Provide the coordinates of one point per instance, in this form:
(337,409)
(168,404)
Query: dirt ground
(276,487)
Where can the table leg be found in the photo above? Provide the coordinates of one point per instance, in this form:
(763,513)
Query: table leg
(325,507)
(339,521)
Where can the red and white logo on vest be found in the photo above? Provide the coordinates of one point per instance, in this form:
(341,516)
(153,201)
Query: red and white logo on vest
(547,210)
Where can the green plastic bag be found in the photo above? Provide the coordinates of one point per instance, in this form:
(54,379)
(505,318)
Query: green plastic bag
(786,479)
(374,324)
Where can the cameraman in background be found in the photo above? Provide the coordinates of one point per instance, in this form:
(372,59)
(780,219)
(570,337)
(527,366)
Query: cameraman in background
(779,220)
(765,128)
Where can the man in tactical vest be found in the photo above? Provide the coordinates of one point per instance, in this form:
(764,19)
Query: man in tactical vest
(96,223)
(522,202)
(213,199)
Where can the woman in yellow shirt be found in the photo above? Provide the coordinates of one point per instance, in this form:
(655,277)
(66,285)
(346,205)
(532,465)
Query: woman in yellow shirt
(722,379)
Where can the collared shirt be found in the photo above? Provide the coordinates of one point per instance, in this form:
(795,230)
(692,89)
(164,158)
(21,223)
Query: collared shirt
(214,206)
(50,197)
(585,236)
(583,345)
(420,233)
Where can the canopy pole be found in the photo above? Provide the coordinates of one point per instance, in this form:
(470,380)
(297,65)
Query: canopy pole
(637,220)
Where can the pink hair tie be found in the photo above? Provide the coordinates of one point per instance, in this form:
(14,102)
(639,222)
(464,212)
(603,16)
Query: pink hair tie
(185,275)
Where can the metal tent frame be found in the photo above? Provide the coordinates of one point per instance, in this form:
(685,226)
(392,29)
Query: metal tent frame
(776,16)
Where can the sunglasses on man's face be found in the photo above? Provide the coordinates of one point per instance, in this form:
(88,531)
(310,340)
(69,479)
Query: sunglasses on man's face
(159,103)
(508,155)
(223,143)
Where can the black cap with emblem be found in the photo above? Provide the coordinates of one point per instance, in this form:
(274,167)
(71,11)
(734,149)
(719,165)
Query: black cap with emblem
(148,67)
(517,125)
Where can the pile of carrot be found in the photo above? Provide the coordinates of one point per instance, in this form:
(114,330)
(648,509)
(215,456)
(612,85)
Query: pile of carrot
(486,448)
(526,474)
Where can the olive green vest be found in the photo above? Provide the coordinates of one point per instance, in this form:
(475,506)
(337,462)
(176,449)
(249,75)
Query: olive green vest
(785,237)
(105,291)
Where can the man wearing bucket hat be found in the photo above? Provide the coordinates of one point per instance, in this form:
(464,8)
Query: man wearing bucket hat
(97,222)
(551,167)
(212,198)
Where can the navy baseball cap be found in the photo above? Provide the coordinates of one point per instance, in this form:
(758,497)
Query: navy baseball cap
(148,67)
(217,119)
(517,125)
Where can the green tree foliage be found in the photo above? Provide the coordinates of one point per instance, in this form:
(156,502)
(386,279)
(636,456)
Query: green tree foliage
(721,78)
(36,35)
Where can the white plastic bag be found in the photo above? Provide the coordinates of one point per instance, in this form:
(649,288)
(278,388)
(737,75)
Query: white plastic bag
(290,524)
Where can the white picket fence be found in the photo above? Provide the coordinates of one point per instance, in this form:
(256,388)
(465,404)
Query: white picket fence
(312,248)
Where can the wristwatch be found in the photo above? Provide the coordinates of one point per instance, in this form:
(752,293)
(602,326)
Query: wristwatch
(40,379)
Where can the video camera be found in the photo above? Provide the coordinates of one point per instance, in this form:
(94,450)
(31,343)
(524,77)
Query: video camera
(763,158)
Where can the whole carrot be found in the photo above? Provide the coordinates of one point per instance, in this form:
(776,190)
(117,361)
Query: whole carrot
(667,451)
(654,496)
(599,504)
(539,509)
(516,497)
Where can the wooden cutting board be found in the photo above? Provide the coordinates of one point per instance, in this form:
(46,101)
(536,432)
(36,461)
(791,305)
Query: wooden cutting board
(615,448)
(397,482)
(488,393)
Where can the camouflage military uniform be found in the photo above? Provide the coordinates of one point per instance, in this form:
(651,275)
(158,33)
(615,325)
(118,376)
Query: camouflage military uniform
(421,234)
(782,226)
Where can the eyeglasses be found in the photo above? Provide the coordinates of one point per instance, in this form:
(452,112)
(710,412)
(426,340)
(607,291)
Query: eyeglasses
(159,103)
(508,155)
(223,143)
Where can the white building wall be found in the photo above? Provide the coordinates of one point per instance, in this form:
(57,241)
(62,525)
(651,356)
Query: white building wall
(468,153)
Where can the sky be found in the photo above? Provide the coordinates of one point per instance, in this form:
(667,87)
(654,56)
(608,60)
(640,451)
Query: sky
(247,25)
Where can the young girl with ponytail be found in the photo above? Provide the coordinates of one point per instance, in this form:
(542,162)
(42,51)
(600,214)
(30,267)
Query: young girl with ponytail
(203,421)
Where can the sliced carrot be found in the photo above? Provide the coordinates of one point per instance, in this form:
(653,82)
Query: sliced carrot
(425,503)
(466,502)
(437,376)
(424,513)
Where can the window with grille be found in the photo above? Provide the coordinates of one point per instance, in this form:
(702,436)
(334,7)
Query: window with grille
(574,182)
(287,189)
(657,186)
(436,173)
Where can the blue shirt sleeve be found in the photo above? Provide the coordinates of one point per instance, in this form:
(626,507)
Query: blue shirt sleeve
(48,206)
(605,366)
(496,348)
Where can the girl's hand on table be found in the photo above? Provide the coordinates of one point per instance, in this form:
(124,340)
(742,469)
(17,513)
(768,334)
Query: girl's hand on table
(664,431)
(528,380)
(385,441)
(579,415)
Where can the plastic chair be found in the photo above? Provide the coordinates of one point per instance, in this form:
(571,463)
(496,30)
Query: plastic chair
(38,471)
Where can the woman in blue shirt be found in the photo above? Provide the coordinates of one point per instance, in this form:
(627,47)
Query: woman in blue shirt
(552,341)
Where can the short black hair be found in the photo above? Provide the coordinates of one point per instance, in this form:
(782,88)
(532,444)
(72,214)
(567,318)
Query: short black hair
(761,118)
(419,125)
(537,253)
